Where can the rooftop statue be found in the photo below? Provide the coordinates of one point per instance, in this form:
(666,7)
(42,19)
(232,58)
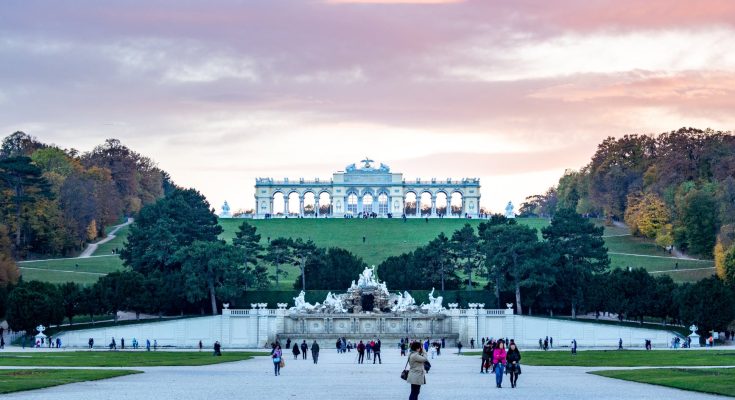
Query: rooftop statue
(509,211)
(351,168)
(384,168)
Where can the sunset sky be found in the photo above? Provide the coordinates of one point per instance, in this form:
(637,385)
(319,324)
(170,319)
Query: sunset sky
(221,92)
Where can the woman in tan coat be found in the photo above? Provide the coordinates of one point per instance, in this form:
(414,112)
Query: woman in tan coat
(416,373)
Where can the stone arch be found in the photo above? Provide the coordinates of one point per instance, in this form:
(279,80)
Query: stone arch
(409,203)
(352,200)
(457,203)
(425,203)
(294,200)
(383,203)
(309,203)
(442,201)
(279,202)
(367,202)
(325,202)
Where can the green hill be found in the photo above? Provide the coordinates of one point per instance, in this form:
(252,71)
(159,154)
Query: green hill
(383,238)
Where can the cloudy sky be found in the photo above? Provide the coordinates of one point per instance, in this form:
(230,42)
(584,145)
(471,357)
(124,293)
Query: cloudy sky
(221,92)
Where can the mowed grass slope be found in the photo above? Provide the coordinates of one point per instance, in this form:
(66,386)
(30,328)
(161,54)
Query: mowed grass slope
(383,238)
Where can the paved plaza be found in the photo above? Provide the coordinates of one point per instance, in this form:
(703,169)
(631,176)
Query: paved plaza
(338,376)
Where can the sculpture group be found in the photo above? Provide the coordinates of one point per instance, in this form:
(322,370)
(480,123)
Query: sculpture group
(367,285)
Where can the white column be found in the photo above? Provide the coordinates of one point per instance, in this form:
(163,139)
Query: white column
(285,205)
(433,205)
(316,206)
(301,204)
(418,205)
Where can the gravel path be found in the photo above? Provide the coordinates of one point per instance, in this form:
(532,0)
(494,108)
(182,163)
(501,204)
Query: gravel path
(92,247)
(339,377)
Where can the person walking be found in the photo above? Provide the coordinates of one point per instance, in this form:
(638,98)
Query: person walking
(574,347)
(499,361)
(122,343)
(551,342)
(376,352)
(295,351)
(90,342)
(304,349)
(620,343)
(276,357)
(487,355)
(514,364)
(472,343)
(288,343)
(360,352)
(416,371)
(147,345)
(217,349)
(459,347)
(315,351)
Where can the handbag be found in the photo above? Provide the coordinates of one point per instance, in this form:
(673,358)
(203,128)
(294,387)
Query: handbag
(276,359)
(281,364)
(404,373)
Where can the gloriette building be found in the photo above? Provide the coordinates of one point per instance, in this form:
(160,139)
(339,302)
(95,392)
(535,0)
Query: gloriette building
(367,190)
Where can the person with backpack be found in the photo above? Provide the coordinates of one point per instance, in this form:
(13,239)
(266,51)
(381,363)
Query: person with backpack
(276,356)
(360,352)
(416,372)
(514,363)
(315,351)
(304,348)
(296,351)
(499,361)
(487,354)
(369,348)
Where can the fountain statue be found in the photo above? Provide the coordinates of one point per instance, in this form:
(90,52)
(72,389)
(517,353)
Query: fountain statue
(435,303)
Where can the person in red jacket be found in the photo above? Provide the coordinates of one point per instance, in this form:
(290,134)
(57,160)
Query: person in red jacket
(499,362)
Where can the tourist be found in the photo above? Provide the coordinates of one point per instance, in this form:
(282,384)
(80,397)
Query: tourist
(58,343)
(288,343)
(147,345)
(113,344)
(499,360)
(360,352)
(403,345)
(276,357)
(200,345)
(546,344)
(315,351)
(217,349)
(295,351)
(459,347)
(472,343)
(540,344)
(155,344)
(338,345)
(620,344)
(376,352)
(122,343)
(487,354)
(368,349)
(304,348)
(135,344)
(574,346)
(416,372)
(551,342)
(444,342)
(90,342)
(514,363)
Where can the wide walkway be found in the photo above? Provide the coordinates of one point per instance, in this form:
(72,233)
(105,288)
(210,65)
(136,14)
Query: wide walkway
(338,376)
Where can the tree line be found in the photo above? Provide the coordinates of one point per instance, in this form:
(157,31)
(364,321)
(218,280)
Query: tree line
(54,200)
(677,188)
(565,270)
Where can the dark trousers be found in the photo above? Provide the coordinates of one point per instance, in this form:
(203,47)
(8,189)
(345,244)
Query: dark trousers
(376,356)
(484,366)
(315,357)
(415,389)
(304,354)
(277,367)
(360,358)
(513,378)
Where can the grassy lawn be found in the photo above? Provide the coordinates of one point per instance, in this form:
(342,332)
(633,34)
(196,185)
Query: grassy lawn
(16,380)
(715,380)
(116,243)
(629,358)
(139,358)
(383,238)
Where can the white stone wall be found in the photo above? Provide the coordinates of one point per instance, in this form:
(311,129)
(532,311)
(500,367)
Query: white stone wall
(256,327)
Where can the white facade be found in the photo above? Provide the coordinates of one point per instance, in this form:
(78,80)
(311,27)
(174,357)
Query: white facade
(256,327)
(368,190)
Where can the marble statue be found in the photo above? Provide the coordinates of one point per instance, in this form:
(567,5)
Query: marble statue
(384,168)
(435,303)
(366,277)
(301,305)
(225,211)
(509,211)
(403,302)
(351,168)
(333,304)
